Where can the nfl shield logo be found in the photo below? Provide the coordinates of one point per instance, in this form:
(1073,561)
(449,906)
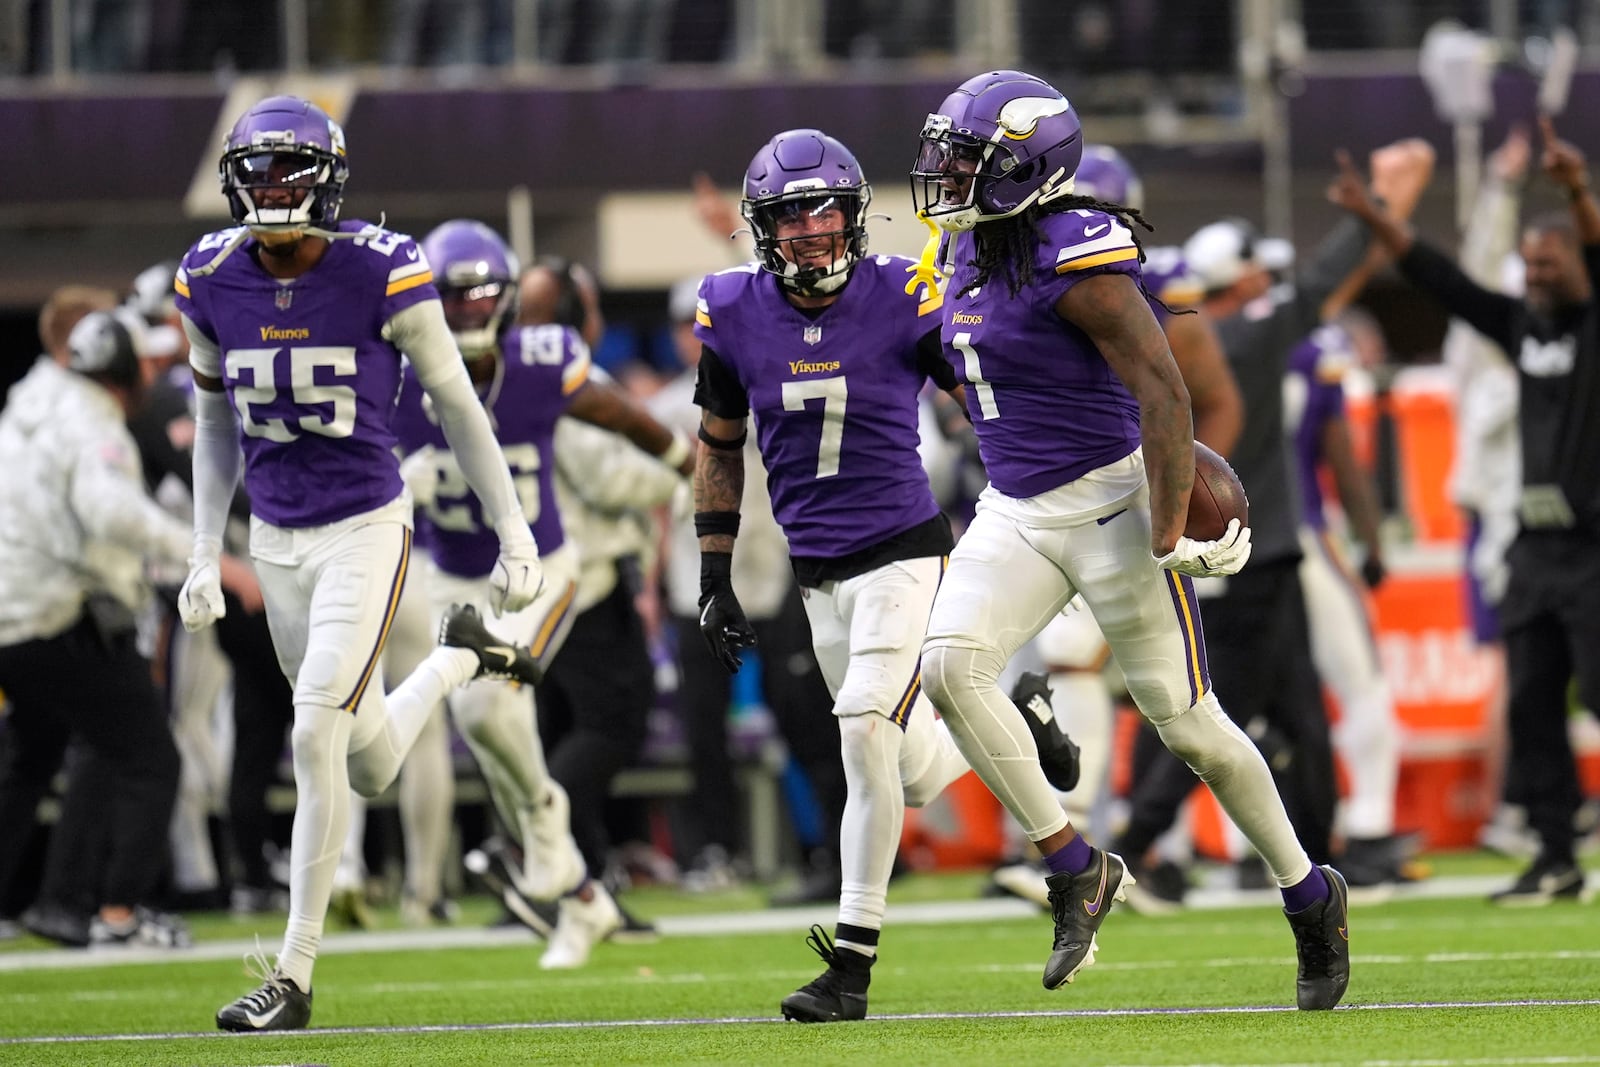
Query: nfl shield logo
(812,335)
(283,298)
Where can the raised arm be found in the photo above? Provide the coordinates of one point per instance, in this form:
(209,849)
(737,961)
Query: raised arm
(1565,165)
(1492,314)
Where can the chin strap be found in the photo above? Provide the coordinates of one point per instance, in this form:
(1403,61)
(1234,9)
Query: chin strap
(926,271)
(306,231)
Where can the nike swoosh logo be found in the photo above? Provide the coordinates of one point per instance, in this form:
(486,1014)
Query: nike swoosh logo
(411,253)
(1344,932)
(260,1021)
(1108,518)
(1092,907)
(1090,231)
(508,656)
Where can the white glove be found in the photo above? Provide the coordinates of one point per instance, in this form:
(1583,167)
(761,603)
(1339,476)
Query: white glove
(420,472)
(1210,559)
(518,573)
(200,600)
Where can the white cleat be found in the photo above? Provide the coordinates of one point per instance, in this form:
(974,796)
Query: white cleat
(552,866)
(582,925)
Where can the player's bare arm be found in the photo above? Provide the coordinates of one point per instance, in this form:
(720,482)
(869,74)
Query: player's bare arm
(1355,488)
(607,406)
(719,476)
(1565,165)
(1114,313)
(1214,399)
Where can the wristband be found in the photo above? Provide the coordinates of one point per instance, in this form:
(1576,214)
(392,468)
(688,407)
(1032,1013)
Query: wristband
(711,523)
(723,444)
(677,451)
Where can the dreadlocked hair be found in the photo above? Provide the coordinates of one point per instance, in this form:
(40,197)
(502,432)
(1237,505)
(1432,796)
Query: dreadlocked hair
(1007,247)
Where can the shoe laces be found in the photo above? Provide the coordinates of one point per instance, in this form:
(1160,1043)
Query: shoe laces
(1315,949)
(272,982)
(840,977)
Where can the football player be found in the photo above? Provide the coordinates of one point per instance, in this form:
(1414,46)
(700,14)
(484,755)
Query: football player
(297,323)
(1071,645)
(526,377)
(1083,423)
(828,347)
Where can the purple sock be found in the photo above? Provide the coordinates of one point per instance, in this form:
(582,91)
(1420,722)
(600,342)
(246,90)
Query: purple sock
(1071,858)
(1312,889)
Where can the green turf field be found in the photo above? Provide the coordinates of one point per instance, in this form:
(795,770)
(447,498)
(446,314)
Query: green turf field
(1436,983)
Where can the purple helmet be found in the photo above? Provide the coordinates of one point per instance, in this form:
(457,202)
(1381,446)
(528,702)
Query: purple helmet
(802,173)
(1016,136)
(290,154)
(471,263)
(1105,175)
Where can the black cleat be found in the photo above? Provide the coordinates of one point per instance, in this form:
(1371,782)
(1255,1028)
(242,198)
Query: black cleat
(838,994)
(1058,754)
(1322,941)
(277,1005)
(494,865)
(1544,881)
(1079,903)
(463,628)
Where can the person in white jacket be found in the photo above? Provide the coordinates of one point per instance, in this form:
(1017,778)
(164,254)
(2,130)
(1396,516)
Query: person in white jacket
(77,530)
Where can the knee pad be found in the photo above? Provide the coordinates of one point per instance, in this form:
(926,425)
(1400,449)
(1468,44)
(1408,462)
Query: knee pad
(951,673)
(315,739)
(1202,735)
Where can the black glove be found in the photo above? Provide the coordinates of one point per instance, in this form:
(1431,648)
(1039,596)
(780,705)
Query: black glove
(1373,572)
(722,620)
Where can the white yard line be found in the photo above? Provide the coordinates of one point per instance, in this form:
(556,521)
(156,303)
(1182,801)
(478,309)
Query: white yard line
(1085,1013)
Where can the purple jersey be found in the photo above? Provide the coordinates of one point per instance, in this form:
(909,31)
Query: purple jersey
(834,399)
(1313,391)
(1167,277)
(1046,406)
(540,369)
(307,367)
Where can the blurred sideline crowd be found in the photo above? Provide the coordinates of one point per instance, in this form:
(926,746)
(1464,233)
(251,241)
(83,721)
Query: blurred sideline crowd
(110,36)
(218,780)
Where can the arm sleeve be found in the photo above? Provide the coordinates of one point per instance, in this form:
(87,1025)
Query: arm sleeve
(718,389)
(1591,262)
(931,361)
(217,461)
(1339,253)
(1492,314)
(205,355)
(109,498)
(420,331)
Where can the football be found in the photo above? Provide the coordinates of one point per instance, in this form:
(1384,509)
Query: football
(1217,497)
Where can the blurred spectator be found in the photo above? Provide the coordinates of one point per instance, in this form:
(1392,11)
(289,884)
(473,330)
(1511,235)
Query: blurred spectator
(76,528)
(436,33)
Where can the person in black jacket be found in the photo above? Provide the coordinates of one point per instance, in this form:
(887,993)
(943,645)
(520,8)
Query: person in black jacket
(1551,610)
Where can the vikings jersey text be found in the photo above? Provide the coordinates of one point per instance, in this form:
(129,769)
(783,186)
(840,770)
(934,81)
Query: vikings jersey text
(1046,406)
(307,368)
(834,398)
(541,369)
